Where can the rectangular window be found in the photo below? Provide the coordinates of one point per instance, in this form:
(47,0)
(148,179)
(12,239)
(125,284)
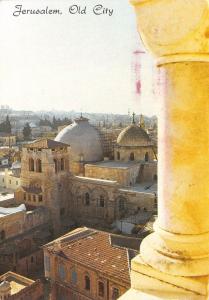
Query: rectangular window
(61,272)
(40,199)
(47,263)
(74,277)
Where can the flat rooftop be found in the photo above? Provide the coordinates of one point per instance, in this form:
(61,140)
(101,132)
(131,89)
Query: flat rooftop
(16,281)
(142,188)
(114,164)
(5,211)
(5,195)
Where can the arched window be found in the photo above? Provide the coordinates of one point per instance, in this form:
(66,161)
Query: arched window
(62,164)
(115,293)
(56,165)
(31,164)
(101,201)
(132,156)
(87,199)
(101,291)
(38,166)
(146,157)
(2,235)
(87,283)
(118,155)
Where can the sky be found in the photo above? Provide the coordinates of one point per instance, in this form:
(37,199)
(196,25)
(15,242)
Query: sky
(81,62)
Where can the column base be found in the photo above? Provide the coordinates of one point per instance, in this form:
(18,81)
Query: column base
(148,283)
(177,254)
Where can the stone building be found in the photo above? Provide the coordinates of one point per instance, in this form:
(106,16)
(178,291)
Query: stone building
(103,191)
(22,232)
(7,139)
(45,177)
(89,264)
(16,287)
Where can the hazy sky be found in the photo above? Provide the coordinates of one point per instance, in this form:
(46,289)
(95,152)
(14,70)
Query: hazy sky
(72,62)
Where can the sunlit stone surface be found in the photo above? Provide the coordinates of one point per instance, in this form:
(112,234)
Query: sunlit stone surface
(174,261)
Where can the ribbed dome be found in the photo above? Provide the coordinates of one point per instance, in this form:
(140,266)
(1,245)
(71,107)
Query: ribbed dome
(133,135)
(84,141)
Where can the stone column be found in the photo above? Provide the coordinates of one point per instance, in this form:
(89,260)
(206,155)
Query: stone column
(176,32)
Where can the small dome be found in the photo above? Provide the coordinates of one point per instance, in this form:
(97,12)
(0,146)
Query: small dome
(83,139)
(133,135)
(5,286)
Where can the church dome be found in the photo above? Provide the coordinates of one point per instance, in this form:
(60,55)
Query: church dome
(83,139)
(133,135)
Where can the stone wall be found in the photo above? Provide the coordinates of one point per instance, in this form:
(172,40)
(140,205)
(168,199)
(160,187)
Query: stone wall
(66,287)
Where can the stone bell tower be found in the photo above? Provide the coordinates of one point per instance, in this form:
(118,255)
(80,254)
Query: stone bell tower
(45,178)
(174,260)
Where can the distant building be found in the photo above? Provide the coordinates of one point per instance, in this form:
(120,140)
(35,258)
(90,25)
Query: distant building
(16,287)
(4,162)
(88,264)
(10,178)
(7,139)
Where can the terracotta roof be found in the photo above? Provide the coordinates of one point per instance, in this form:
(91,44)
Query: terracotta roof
(93,249)
(45,144)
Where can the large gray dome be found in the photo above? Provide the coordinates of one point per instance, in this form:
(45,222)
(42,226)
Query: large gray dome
(84,141)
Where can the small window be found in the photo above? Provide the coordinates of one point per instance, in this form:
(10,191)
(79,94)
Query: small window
(29,197)
(38,166)
(47,263)
(121,204)
(74,277)
(101,289)
(56,165)
(146,157)
(118,155)
(34,198)
(16,182)
(31,259)
(40,198)
(115,293)
(87,283)
(10,181)
(62,164)
(2,235)
(31,164)
(131,156)
(101,201)
(87,199)
(61,271)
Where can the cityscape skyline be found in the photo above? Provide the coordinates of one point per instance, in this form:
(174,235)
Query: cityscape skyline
(79,63)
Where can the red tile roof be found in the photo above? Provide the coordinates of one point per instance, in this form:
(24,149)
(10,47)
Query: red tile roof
(93,249)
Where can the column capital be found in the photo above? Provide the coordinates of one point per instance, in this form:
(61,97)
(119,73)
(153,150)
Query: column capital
(174,30)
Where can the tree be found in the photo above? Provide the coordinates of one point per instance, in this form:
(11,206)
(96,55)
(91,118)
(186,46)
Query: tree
(6,126)
(27,131)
